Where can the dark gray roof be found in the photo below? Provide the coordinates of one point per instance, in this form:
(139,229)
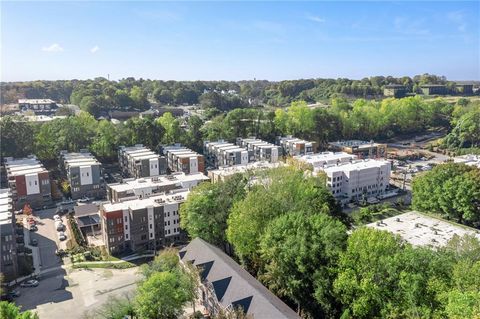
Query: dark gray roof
(233,284)
(85,210)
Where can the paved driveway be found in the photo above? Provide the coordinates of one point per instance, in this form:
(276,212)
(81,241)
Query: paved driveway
(61,295)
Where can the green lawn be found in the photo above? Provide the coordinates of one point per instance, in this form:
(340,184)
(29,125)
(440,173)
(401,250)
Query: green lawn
(110,265)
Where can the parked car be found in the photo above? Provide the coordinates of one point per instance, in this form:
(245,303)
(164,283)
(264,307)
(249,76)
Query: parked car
(34,242)
(33,227)
(60,252)
(57,217)
(29,283)
(14,293)
(83,200)
(59,225)
(62,236)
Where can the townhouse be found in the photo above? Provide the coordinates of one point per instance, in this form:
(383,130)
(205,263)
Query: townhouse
(8,245)
(138,161)
(84,174)
(319,160)
(292,146)
(358,180)
(146,187)
(221,153)
(28,181)
(182,159)
(262,151)
(143,224)
(225,285)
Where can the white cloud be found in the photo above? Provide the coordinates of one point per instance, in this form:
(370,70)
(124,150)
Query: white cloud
(316,19)
(458,18)
(53,48)
(95,49)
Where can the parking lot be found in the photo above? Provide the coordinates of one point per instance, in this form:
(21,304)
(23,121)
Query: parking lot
(70,293)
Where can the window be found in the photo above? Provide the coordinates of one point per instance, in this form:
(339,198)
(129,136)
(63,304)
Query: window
(151,226)
(126,220)
(126,227)
(126,236)
(151,235)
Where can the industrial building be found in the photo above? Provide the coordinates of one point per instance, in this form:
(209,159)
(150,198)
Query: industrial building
(182,159)
(358,180)
(292,146)
(28,181)
(8,243)
(362,149)
(84,174)
(138,161)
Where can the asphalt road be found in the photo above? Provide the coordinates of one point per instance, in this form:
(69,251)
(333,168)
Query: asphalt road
(47,238)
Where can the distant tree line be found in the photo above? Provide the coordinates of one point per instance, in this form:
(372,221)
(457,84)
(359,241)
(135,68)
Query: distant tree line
(343,119)
(100,94)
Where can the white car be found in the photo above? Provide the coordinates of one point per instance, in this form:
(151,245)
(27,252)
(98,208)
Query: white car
(59,225)
(61,235)
(57,218)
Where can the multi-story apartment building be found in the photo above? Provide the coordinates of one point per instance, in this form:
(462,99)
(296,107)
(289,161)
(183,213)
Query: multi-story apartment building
(292,146)
(146,187)
(262,151)
(220,154)
(29,182)
(147,223)
(225,285)
(8,245)
(362,149)
(84,174)
(319,160)
(358,180)
(224,173)
(138,161)
(182,159)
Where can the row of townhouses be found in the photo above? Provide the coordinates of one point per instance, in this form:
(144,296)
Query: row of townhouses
(292,146)
(222,153)
(262,151)
(84,174)
(8,244)
(138,161)
(182,159)
(28,181)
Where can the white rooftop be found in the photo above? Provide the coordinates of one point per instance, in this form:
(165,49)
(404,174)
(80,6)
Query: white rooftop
(23,166)
(325,157)
(422,230)
(79,159)
(357,165)
(35,101)
(159,181)
(155,201)
(230,170)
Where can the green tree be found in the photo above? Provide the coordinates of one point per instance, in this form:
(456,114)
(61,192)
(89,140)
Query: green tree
(205,212)
(105,143)
(11,311)
(163,295)
(171,127)
(16,137)
(167,260)
(300,253)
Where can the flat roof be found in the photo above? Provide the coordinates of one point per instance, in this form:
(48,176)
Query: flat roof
(358,165)
(354,143)
(154,201)
(23,166)
(230,170)
(423,230)
(36,101)
(159,181)
(325,156)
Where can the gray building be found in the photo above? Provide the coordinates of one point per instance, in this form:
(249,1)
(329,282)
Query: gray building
(38,106)
(262,151)
(138,161)
(29,182)
(395,90)
(220,153)
(84,174)
(8,245)
(226,285)
(182,159)
(143,224)
(292,146)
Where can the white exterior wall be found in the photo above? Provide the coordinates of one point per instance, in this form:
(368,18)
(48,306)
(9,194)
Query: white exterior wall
(151,224)
(170,216)
(126,224)
(193,165)
(244,157)
(154,167)
(274,155)
(86,175)
(32,183)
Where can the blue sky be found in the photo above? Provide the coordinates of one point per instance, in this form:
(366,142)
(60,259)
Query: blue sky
(239,40)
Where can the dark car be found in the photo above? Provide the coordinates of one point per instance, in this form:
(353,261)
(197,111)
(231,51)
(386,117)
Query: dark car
(33,228)
(34,242)
(14,294)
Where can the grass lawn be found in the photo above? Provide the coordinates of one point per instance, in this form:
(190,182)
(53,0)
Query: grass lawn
(108,265)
